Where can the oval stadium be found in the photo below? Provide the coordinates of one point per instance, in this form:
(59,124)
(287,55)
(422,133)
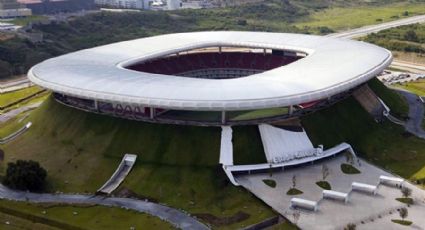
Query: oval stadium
(212,78)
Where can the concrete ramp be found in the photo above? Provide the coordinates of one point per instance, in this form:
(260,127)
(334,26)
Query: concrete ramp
(282,145)
(369,101)
(119,175)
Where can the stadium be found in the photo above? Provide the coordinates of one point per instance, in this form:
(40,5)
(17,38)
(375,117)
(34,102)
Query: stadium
(212,78)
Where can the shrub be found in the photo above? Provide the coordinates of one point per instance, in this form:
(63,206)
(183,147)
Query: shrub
(406,192)
(270,183)
(294,191)
(25,175)
(405,200)
(403,213)
(350,227)
(349,169)
(324,184)
(402,222)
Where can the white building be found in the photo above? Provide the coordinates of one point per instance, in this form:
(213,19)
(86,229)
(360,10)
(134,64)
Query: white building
(174,4)
(126,4)
(12,9)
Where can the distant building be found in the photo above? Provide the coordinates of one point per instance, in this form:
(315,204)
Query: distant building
(174,4)
(12,9)
(58,6)
(125,4)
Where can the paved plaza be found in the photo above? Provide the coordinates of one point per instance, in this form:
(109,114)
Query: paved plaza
(364,210)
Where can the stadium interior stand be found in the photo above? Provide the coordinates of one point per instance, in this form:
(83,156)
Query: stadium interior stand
(214,65)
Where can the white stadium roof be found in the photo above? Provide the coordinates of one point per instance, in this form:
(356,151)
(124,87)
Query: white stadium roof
(331,66)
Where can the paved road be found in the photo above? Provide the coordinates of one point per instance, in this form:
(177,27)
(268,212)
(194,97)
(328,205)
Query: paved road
(15,85)
(173,216)
(416,114)
(12,113)
(409,66)
(362,31)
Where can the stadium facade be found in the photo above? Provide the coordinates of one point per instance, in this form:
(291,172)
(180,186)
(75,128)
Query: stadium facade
(212,78)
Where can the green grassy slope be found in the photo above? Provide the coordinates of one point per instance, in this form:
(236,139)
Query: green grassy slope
(396,102)
(13,96)
(385,144)
(22,215)
(176,165)
(343,18)
(417,87)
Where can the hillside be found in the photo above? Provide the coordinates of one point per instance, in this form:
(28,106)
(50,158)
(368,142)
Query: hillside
(384,144)
(300,16)
(177,165)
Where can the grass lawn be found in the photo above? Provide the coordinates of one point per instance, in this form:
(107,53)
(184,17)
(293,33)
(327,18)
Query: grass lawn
(406,200)
(283,226)
(25,20)
(47,216)
(402,222)
(9,222)
(349,169)
(7,98)
(417,87)
(293,192)
(324,184)
(270,183)
(353,17)
(176,165)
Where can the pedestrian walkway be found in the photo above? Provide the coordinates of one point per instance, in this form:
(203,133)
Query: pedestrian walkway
(176,217)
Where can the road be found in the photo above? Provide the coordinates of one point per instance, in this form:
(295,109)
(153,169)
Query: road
(416,114)
(15,85)
(409,67)
(362,31)
(12,113)
(176,217)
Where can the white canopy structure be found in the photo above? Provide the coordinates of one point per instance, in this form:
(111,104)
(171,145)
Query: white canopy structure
(331,66)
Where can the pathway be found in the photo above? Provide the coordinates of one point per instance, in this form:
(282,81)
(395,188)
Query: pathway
(362,31)
(173,216)
(361,207)
(12,113)
(416,114)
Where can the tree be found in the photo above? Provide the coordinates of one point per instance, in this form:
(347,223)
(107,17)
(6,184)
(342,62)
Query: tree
(350,227)
(325,171)
(411,35)
(25,175)
(406,192)
(403,213)
(296,216)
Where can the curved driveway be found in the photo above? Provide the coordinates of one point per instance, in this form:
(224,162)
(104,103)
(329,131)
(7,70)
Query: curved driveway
(173,216)
(416,114)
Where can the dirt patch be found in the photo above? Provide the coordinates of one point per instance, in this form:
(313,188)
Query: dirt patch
(6,36)
(222,221)
(127,193)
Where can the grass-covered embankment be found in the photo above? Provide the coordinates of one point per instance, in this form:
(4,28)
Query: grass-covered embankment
(176,165)
(20,215)
(385,144)
(10,97)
